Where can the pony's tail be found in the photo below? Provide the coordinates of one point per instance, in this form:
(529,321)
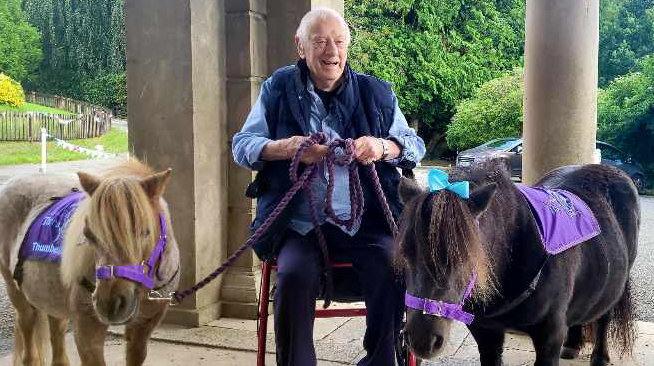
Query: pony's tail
(622,324)
(41,339)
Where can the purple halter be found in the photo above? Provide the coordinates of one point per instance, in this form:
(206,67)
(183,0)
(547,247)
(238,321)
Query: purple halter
(136,272)
(443,309)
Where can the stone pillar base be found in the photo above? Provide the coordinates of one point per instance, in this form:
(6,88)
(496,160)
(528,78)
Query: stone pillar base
(193,317)
(240,293)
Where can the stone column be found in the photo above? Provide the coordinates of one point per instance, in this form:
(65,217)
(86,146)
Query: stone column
(176,99)
(560,106)
(246,70)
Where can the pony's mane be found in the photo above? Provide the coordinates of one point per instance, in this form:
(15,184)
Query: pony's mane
(484,172)
(121,217)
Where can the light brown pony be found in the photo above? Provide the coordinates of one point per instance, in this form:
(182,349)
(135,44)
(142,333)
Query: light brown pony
(116,223)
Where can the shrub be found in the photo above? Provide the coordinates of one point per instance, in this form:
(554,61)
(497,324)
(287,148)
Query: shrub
(494,111)
(625,114)
(108,90)
(11,93)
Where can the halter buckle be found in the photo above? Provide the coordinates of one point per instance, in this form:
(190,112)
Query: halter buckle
(154,295)
(438,309)
(145,267)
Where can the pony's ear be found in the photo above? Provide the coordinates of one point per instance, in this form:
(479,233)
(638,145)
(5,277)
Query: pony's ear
(155,184)
(88,181)
(408,188)
(480,198)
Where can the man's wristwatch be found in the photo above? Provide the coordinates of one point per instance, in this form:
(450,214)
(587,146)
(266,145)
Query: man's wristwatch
(384,149)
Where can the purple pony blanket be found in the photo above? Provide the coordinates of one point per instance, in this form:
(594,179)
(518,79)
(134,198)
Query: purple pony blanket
(563,219)
(43,240)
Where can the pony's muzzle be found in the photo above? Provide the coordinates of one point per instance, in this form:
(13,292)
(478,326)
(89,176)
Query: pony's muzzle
(425,334)
(426,347)
(117,307)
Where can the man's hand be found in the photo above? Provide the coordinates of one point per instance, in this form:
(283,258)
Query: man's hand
(368,149)
(310,155)
(285,149)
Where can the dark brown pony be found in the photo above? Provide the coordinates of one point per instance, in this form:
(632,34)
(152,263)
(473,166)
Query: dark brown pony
(444,238)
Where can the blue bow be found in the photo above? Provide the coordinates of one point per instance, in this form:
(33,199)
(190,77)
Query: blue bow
(437,180)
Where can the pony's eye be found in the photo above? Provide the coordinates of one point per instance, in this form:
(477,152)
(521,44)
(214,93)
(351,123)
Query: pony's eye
(90,236)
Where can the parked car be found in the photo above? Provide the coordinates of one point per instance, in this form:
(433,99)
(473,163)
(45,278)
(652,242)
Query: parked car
(510,151)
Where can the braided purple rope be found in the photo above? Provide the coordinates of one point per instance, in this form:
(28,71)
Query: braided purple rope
(305,181)
(356,192)
(178,297)
(382,199)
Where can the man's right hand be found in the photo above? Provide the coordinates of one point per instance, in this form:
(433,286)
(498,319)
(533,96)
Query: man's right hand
(285,149)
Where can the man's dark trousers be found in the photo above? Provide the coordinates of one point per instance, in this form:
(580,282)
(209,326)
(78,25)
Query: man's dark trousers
(298,281)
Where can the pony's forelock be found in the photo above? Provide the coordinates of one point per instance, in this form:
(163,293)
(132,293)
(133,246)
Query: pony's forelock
(441,227)
(122,218)
(455,242)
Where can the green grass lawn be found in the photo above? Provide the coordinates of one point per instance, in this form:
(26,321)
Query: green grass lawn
(27,107)
(12,152)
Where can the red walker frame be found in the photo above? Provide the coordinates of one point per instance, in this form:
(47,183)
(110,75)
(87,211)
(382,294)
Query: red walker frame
(262,318)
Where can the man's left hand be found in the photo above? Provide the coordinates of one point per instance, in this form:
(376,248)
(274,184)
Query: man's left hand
(368,149)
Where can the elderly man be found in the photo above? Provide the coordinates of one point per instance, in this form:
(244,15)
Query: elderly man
(322,94)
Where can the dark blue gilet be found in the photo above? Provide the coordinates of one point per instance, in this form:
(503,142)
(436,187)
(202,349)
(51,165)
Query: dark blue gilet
(366,106)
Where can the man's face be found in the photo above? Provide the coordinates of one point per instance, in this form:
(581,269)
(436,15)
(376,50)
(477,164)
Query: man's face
(326,52)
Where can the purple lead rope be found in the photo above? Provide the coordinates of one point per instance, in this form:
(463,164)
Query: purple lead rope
(305,181)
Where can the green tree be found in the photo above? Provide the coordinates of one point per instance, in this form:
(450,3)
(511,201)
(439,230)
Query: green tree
(494,111)
(109,90)
(626,113)
(83,43)
(435,53)
(19,42)
(626,34)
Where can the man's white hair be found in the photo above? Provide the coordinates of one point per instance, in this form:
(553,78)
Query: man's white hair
(309,20)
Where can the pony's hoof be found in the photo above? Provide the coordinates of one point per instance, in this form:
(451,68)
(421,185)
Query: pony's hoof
(599,360)
(568,353)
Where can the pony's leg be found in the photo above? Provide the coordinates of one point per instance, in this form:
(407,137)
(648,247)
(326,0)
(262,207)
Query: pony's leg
(30,333)
(27,320)
(89,338)
(490,343)
(58,341)
(600,355)
(137,334)
(548,339)
(573,343)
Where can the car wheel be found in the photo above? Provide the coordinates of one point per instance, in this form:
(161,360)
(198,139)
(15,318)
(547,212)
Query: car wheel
(639,183)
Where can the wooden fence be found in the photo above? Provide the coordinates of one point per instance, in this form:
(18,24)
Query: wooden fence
(87,121)
(26,126)
(67,104)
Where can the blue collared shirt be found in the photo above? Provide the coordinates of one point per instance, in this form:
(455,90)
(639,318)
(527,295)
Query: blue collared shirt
(254,135)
